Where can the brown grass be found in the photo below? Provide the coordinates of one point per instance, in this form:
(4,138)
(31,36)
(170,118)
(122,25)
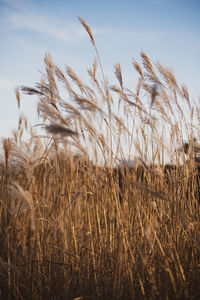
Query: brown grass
(76,226)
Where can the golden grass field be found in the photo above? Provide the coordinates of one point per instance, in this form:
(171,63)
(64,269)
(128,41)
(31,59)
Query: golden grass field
(76,226)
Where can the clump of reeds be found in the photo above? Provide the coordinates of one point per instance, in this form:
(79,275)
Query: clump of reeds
(76,223)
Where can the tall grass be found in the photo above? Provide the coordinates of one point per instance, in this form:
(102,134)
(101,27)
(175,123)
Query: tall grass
(74,225)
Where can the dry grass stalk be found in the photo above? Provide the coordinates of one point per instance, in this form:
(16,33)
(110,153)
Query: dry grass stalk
(7,146)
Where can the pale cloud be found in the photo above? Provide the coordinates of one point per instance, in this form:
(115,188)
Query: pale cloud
(128,34)
(18,16)
(46,25)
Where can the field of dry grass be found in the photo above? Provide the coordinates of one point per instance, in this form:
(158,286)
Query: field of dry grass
(73,225)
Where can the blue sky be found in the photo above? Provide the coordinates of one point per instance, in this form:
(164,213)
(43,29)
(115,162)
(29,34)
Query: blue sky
(167,30)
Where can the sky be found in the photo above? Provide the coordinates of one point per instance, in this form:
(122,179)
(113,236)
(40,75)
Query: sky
(167,30)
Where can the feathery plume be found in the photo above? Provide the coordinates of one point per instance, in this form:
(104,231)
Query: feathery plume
(87,28)
(60,129)
(118,74)
(137,67)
